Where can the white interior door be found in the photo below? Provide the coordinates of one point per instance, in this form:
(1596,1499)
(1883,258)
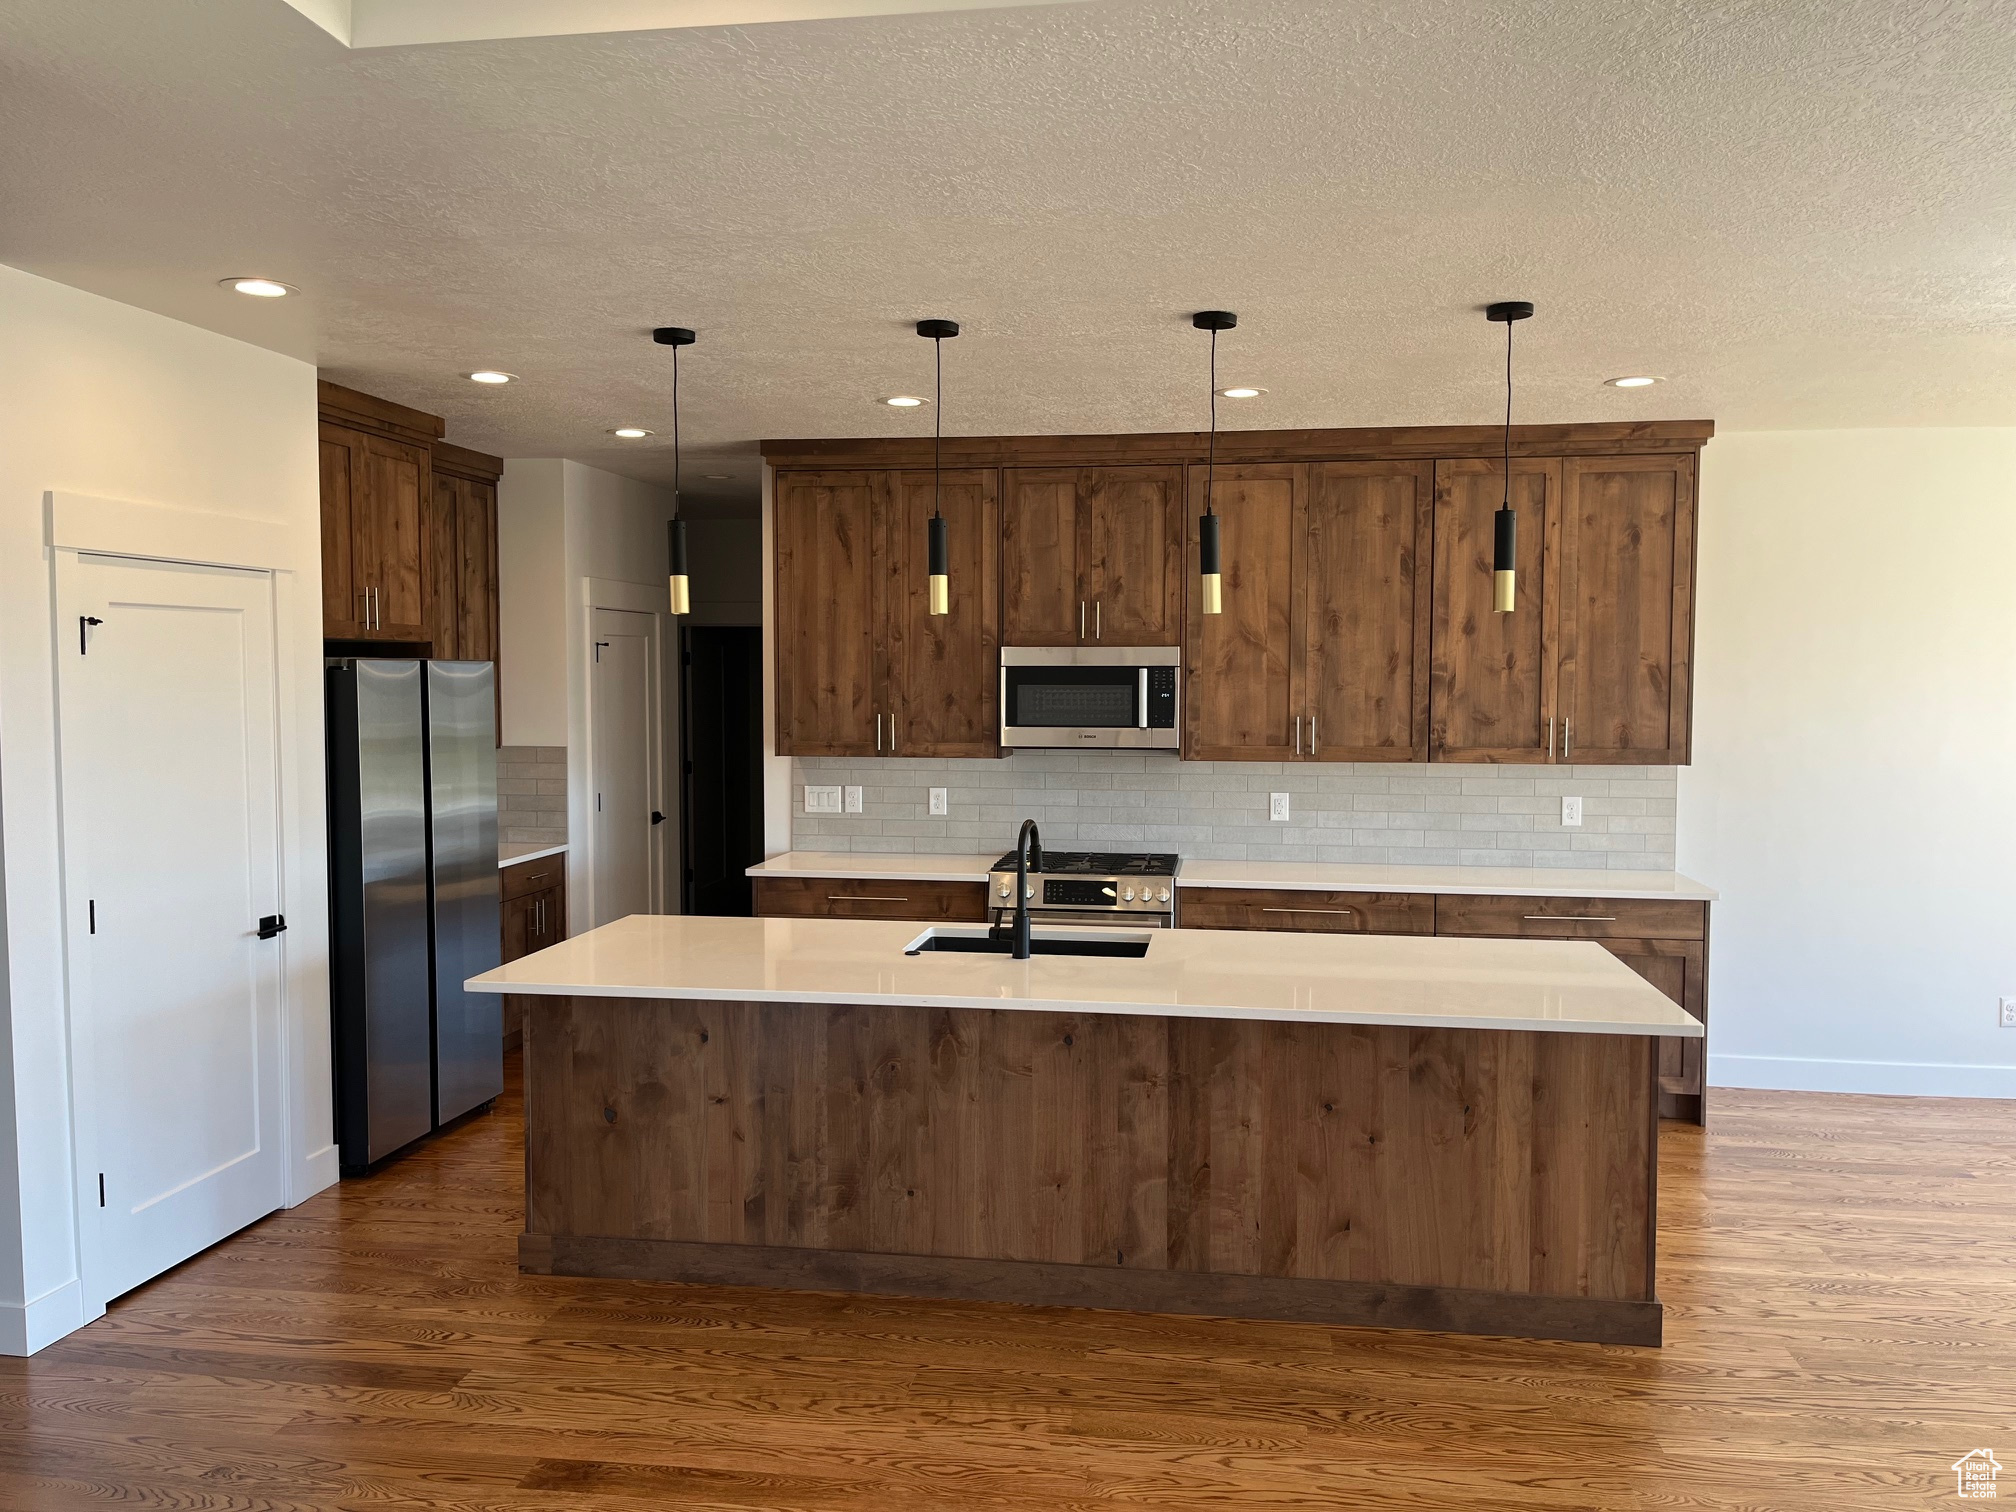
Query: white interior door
(171,859)
(623,764)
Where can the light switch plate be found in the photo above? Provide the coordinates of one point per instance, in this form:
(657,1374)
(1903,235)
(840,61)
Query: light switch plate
(1571,812)
(1277,807)
(853,800)
(939,807)
(821,800)
(2009,1013)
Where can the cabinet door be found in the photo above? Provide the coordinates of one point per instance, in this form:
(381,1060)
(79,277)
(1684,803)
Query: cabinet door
(386,529)
(476,571)
(1044,599)
(1678,969)
(1627,609)
(831,528)
(443,556)
(1491,679)
(1239,666)
(1365,548)
(520,919)
(944,669)
(342,594)
(1134,536)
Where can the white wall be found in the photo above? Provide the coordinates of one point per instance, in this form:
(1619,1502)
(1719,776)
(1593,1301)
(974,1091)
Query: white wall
(1853,791)
(102,399)
(532,603)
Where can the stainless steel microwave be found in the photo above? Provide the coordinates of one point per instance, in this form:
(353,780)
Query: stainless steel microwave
(1086,697)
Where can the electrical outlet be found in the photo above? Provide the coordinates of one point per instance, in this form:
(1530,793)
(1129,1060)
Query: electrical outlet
(939,807)
(1277,807)
(853,800)
(2009,1013)
(821,800)
(1571,812)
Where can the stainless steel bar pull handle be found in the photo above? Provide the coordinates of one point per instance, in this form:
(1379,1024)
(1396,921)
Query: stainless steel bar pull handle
(1567,737)
(1081,619)
(862,898)
(1572,918)
(1550,737)
(878,731)
(1098,619)
(1312,734)
(1310,910)
(1298,734)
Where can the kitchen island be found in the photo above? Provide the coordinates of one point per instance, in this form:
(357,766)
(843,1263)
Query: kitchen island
(1453,1134)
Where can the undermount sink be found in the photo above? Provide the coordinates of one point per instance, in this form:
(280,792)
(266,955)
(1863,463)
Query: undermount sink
(1126,944)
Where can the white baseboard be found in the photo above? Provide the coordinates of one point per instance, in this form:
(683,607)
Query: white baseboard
(27,1327)
(319,1171)
(1885,1078)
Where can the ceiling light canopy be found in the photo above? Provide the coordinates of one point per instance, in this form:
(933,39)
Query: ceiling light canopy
(259,288)
(630,432)
(904,401)
(491,375)
(1240,393)
(1640,382)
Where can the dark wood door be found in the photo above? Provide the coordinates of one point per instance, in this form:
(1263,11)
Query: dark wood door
(1240,666)
(944,669)
(831,531)
(443,553)
(1492,676)
(476,570)
(1627,609)
(1365,544)
(1134,543)
(1043,589)
(386,531)
(343,601)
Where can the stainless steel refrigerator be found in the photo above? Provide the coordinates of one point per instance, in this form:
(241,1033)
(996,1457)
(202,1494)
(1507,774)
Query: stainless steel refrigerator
(413,898)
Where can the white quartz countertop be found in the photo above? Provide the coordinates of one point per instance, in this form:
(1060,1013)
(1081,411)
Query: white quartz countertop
(1305,876)
(1559,985)
(510,853)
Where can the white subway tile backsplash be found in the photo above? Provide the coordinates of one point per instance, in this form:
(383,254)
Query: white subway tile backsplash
(1348,814)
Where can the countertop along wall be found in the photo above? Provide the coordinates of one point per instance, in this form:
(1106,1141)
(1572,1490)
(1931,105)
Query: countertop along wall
(102,399)
(1854,740)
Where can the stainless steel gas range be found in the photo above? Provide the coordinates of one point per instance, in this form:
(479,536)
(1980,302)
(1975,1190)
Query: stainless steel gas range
(1089,886)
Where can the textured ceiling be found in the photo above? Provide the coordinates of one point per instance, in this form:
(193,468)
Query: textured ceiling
(1802,212)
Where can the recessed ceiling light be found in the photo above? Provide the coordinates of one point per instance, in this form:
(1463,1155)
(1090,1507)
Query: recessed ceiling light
(630,432)
(905,401)
(491,375)
(1241,393)
(1630,382)
(259,288)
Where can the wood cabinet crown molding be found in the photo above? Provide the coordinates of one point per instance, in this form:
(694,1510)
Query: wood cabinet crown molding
(367,412)
(1370,443)
(477,467)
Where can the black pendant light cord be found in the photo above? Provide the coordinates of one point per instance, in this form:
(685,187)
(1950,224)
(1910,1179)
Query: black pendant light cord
(1508,414)
(675,432)
(938,429)
(1211,457)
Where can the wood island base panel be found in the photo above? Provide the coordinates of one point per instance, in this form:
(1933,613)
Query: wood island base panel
(1462,1180)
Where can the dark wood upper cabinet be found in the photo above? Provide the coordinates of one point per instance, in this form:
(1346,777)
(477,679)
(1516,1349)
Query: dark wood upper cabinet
(832,528)
(1366,542)
(377,490)
(1492,690)
(943,684)
(1093,556)
(462,554)
(1627,602)
(343,599)
(1240,666)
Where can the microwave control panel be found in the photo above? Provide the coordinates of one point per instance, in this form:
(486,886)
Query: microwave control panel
(1161,698)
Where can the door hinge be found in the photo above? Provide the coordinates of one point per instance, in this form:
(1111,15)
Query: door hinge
(91,907)
(600,647)
(689,769)
(271,925)
(101,1189)
(656,817)
(598,803)
(84,624)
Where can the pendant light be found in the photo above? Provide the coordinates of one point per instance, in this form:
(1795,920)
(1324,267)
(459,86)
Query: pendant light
(682,594)
(1505,524)
(1208,562)
(937,540)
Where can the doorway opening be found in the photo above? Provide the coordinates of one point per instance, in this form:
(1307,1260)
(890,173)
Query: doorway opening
(722,792)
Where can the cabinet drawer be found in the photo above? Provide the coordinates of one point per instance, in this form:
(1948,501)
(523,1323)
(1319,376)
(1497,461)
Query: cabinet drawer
(526,877)
(883,898)
(1571,918)
(1308,912)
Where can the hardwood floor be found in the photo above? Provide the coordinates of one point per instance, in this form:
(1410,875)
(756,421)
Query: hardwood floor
(1839,1275)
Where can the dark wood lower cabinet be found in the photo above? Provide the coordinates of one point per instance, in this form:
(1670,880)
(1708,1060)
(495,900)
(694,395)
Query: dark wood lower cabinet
(882,898)
(1462,1180)
(1306,912)
(534,913)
